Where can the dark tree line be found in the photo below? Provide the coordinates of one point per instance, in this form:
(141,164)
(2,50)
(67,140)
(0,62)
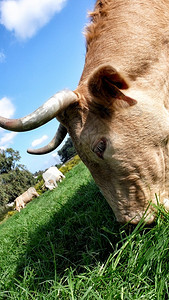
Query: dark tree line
(67,151)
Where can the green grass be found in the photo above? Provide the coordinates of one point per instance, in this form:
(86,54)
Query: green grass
(66,244)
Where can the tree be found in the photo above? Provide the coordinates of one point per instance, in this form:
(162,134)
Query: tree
(67,151)
(14,178)
(8,160)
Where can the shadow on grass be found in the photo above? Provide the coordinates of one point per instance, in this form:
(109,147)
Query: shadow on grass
(83,233)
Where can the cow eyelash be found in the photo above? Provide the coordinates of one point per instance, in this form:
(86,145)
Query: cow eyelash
(100,148)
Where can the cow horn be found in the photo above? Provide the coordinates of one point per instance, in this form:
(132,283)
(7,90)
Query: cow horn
(54,143)
(43,114)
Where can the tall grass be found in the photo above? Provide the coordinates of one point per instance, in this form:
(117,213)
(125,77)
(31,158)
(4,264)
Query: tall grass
(66,244)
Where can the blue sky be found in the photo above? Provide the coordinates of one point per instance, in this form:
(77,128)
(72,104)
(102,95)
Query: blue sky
(42,51)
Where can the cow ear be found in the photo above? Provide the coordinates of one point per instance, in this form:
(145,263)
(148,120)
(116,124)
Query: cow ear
(105,86)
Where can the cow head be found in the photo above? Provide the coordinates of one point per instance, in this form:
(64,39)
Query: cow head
(122,141)
(118,134)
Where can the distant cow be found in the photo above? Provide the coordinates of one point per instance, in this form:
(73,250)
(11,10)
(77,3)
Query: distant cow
(26,197)
(51,177)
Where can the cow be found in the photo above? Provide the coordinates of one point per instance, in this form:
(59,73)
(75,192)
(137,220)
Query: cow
(118,116)
(51,177)
(25,198)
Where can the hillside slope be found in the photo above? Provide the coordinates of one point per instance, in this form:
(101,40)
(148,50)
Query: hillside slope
(66,244)
(56,223)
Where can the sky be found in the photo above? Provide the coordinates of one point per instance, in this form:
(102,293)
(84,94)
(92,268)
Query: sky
(42,51)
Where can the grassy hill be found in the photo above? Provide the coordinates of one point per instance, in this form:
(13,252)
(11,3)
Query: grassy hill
(66,244)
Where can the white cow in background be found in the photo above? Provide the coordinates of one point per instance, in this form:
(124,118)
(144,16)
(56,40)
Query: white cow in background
(51,177)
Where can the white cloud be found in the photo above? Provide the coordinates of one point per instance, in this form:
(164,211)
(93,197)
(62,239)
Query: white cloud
(55,154)
(26,17)
(2,57)
(7,139)
(7,109)
(39,141)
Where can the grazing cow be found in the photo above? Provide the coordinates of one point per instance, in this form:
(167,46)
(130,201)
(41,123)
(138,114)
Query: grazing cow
(26,197)
(51,177)
(118,117)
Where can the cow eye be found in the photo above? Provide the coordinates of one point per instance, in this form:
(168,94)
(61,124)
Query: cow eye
(100,147)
